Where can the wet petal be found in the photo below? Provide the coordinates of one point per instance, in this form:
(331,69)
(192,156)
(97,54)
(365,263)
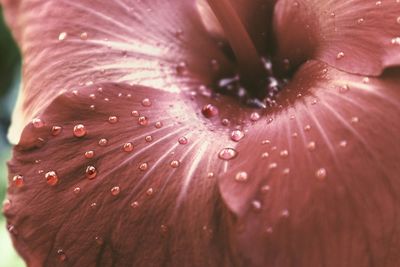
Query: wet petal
(109,178)
(357,36)
(316,183)
(154,43)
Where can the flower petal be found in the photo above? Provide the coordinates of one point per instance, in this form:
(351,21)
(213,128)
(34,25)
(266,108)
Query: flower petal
(154,43)
(358,36)
(317,184)
(106,178)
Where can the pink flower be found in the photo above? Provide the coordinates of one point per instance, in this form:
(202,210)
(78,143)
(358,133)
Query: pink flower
(133,147)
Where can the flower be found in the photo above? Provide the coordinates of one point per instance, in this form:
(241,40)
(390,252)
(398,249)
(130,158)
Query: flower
(126,155)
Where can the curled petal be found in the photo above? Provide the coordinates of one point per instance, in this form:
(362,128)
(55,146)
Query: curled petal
(317,183)
(356,36)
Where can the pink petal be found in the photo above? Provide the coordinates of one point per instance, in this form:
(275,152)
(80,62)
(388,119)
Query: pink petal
(356,36)
(317,183)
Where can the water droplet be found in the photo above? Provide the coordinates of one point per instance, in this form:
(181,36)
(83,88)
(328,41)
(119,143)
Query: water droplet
(365,80)
(79,130)
(183,140)
(92,107)
(158,124)
(284,153)
(295,135)
(150,191)
(340,55)
(209,111)
(311,146)
(115,190)
(174,163)
(225,122)
(61,255)
(89,154)
(241,177)
(142,120)
(360,21)
(398,20)
(91,172)
(210,175)
(164,229)
(256,205)
(93,205)
(135,113)
(265,142)
(143,166)
(344,89)
(396,41)
(269,230)
(320,173)
(18,180)
(286,171)
(149,138)
(113,119)
(103,142)
(355,120)
(378,3)
(307,128)
(56,130)
(37,123)
(99,240)
(84,36)
(77,190)
(273,165)
(265,155)
(62,36)
(343,143)
(135,204)
(265,189)
(255,116)
(227,153)
(51,178)
(285,213)
(237,135)
(146,102)
(128,147)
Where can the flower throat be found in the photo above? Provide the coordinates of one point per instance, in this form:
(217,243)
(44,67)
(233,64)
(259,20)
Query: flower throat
(255,83)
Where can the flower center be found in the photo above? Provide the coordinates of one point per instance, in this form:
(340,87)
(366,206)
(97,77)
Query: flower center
(257,81)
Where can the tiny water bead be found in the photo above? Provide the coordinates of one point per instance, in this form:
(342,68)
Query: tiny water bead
(182,140)
(227,153)
(343,143)
(103,142)
(148,138)
(61,255)
(51,178)
(174,163)
(255,116)
(77,190)
(256,205)
(143,166)
(321,173)
(284,153)
(128,147)
(18,180)
(209,111)
(135,204)
(84,36)
(265,189)
(113,119)
(99,240)
(355,120)
(79,130)
(142,120)
(56,130)
(37,123)
(150,191)
(89,154)
(237,135)
(340,55)
(62,36)
(135,113)
(91,172)
(311,146)
(241,177)
(115,190)
(146,102)
(158,124)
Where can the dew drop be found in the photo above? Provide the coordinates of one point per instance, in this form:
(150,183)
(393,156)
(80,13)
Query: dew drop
(396,41)
(182,140)
(286,171)
(135,113)
(343,143)
(225,122)
(344,89)
(148,138)
(61,255)
(227,153)
(355,120)
(255,116)
(307,128)
(142,120)
(209,111)
(115,190)
(113,119)
(89,154)
(378,3)
(340,55)
(311,146)
(56,130)
(237,135)
(265,155)
(62,36)
(158,124)
(77,190)
(164,229)
(103,142)
(143,166)
(79,130)
(210,175)
(256,205)
(150,191)
(99,240)
(285,213)
(295,135)
(360,21)
(146,102)
(174,163)
(37,123)
(135,205)
(128,147)
(265,189)
(84,36)
(284,153)
(241,177)
(51,178)
(91,172)
(265,142)
(18,180)
(365,80)
(321,173)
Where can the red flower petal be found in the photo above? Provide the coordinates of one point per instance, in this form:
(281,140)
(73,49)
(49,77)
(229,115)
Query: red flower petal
(357,36)
(67,44)
(317,184)
(111,178)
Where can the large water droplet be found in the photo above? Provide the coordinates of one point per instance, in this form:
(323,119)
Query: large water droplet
(79,130)
(209,111)
(51,178)
(91,172)
(227,153)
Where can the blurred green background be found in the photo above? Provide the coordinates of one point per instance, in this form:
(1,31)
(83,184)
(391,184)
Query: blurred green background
(9,83)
